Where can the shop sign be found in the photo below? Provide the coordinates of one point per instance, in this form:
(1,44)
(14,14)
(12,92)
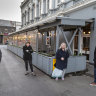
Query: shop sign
(5,34)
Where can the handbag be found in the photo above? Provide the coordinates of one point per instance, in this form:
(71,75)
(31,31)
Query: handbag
(57,73)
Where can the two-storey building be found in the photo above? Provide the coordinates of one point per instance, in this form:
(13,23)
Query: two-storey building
(6,27)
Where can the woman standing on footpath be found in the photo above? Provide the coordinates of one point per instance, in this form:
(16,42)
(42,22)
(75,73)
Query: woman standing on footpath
(61,59)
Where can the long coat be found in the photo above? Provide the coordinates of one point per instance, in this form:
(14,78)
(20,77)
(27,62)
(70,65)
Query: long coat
(27,54)
(95,58)
(59,63)
(0,55)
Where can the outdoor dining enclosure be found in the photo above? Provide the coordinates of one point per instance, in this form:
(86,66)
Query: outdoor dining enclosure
(46,37)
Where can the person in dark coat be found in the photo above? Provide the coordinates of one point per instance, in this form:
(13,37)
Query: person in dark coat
(0,55)
(62,59)
(27,50)
(94,83)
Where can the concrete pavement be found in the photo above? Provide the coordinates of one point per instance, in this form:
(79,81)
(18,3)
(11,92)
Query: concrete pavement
(13,82)
(3,46)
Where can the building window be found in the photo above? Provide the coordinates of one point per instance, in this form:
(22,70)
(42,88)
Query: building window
(37,10)
(25,17)
(28,15)
(59,1)
(33,12)
(6,30)
(77,1)
(48,5)
(44,6)
(40,8)
(13,30)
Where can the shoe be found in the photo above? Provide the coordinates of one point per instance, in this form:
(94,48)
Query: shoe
(56,79)
(33,73)
(27,73)
(93,84)
(63,79)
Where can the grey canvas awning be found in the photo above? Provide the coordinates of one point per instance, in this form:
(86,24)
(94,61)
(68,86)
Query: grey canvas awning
(52,22)
(71,22)
(67,23)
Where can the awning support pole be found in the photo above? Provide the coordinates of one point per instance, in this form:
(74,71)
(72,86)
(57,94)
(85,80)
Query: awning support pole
(57,38)
(79,40)
(37,38)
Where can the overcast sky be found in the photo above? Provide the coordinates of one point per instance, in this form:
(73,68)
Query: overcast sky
(10,10)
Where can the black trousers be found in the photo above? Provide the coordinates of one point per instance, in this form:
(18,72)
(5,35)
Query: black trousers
(28,62)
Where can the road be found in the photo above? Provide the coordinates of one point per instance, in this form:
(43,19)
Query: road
(13,82)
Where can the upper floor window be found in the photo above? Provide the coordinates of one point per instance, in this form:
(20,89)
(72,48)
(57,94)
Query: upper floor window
(28,15)
(25,16)
(39,8)
(59,1)
(76,1)
(48,4)
(33,12)
(13,30)
(44,6)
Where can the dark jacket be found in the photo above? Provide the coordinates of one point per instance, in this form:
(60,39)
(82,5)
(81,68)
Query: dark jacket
(27,54)
(59,63)
(0,55)
(95,58)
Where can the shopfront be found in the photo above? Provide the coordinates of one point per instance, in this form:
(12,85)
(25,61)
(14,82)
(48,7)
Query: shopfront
(20,39)
(47,39)
(51,36)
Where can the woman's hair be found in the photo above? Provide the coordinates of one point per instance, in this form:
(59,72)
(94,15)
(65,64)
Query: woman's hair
(61,46)
(27,43)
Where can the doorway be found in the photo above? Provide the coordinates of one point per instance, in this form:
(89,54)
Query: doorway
(86,46)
